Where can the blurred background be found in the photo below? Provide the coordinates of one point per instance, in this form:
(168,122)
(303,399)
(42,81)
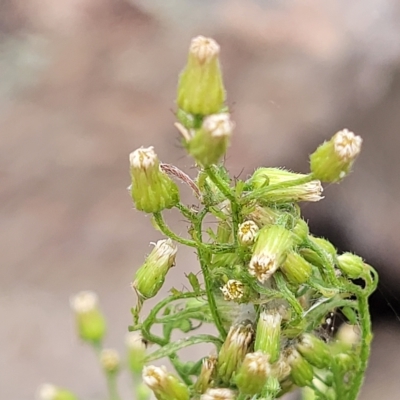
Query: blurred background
(85,82)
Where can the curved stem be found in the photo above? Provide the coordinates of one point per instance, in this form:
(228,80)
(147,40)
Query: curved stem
(366,338)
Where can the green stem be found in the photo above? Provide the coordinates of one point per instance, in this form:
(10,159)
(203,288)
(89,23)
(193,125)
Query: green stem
(177,365)
(167,232)
(112,386)
(366,338)
(204,259)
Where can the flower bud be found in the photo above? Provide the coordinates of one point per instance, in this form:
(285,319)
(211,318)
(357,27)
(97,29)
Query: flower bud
(90,322)
(136,347)
(200,89)
(233,290)
(164,385)
(206,374)
(210,142)
(110,361)
(314,350)
(310,191)
(233,351)
(152,189)
(218,394)
(300,231)
(253,373)
(247,233)
(281,368)
(48,391)
(263,216)
(270,250)
(296,269)
(268,334)
(150,276)
(351,265)
(301,371)
(333,159)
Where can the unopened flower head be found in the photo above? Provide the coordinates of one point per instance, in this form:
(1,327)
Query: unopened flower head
(314,350)
(268,334)
(218,394)
(164,385)
(200,88)
(210,142)
(136,347)
(247,232)
(270,250)
(351,265)
(281,368)
(48,391)
(233,290)
(110,360)
(150,276)
(253,373)
(90,322)
(296,269)
(234,350)
(152,190)
(301,371)
(349,334)
(206,374)
(84,302)
(333,160)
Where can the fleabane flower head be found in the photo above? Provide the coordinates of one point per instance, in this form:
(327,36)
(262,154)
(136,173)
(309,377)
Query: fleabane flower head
(218,394)
(302,372)
(90,322)
(211,140)
(152,190)
(164,385)
(110,360)
(48,391)
(268,334)
(247,233)
(200,88)
(308,191)
(206,374)
(270,251)
(233,290)
(333,160)
(253,373)
(233,351)
(150,276)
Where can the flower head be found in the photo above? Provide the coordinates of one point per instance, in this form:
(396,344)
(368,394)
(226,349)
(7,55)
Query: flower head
(109,360)
(247,232)
(48,391)
(233,290)
(150,276)
(218,394)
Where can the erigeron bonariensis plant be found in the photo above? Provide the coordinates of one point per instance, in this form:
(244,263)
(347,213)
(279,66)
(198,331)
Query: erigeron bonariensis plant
(265,283)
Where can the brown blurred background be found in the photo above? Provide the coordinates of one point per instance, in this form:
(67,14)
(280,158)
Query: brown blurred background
(85,82)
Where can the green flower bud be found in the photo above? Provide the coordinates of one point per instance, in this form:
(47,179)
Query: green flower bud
(280,369)
(253,373)
(268,334)
(301,371)
(110,361)
(351,265)
(333,160)
(247,233)
(233,351)
(48,391)
(90,322)
(315,351)
(219,394)
(136,347)
(270,250)
(296,269)
(347,362)
(152,189)
(206,374)
(310,191)
(150,276)
(300,231)
(233,290)
(210,142)
(200,89)
(263,216)
(164,385)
